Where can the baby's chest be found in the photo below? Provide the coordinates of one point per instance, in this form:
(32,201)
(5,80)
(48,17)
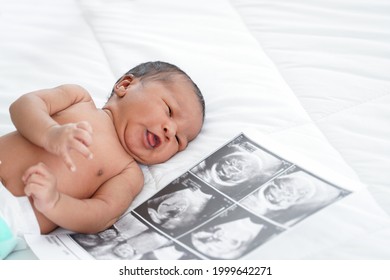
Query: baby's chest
(92,173)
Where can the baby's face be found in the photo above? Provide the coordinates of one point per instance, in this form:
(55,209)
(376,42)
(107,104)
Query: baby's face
(155,121)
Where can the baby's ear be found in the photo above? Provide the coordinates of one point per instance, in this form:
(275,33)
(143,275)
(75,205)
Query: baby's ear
(123,83)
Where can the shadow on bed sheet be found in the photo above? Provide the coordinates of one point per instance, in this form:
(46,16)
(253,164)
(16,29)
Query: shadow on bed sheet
(25,254)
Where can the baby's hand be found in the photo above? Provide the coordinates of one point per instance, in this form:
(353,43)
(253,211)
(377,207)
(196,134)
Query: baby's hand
(41,186)
(60,139)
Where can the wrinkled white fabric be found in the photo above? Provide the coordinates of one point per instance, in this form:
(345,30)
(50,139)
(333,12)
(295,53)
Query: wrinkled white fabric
(18,213)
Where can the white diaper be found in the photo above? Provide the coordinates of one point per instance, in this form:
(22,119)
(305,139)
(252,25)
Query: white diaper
(18,213)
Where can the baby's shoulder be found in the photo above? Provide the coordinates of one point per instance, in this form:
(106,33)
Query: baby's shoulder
(77,90)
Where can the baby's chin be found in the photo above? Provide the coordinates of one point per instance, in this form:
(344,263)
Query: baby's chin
(152,160)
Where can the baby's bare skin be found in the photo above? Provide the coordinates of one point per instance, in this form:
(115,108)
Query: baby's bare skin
(49,157)
(17,154)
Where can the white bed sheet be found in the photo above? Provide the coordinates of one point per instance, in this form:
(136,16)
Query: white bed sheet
(93,42)
(335,56)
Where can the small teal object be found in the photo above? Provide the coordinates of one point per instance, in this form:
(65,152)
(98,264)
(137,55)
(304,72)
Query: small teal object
(7,239)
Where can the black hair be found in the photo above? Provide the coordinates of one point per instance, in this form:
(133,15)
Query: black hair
(163,72)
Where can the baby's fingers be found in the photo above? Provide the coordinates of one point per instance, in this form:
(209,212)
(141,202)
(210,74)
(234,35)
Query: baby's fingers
(80,148)
(39,169)
(68,161)
(84,138)
(32,189)
(43,198)
(84,132)
(85,126)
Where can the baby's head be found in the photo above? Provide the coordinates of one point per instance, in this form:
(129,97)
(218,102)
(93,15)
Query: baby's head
(157,110)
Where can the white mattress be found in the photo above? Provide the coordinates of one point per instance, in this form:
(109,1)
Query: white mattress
(312,77)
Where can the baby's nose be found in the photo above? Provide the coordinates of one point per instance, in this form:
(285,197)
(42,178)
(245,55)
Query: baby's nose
(170,129)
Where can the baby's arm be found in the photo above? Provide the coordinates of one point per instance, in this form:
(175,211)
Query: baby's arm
(92,215)
(31,115)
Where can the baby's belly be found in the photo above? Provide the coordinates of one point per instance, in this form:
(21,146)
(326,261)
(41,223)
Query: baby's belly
(17,155)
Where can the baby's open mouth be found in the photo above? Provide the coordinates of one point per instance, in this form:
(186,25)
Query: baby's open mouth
(153,140)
